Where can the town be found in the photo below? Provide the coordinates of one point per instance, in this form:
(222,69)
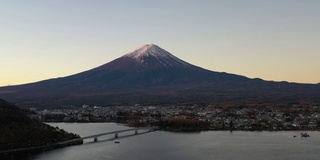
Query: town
(266,118)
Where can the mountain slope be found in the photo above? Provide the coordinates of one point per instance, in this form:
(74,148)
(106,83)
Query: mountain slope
(147,66)
(17,130)
(151,75)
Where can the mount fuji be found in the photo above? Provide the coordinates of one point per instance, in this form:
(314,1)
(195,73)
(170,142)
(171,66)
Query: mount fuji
(151,75)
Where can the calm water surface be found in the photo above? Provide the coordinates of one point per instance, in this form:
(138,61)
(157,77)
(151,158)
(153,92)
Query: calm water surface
(160,145)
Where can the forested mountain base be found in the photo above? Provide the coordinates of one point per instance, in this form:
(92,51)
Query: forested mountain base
(17,130)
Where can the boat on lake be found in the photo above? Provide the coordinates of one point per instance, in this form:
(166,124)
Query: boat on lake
(305,135)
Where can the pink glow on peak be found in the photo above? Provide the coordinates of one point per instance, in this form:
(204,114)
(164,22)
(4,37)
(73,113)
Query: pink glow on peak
(143,50)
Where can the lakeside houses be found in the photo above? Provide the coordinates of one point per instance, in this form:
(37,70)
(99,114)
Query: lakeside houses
(266,118)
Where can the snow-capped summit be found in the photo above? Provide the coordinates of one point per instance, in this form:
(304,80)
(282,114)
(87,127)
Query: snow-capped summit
(152,55)
(143,50)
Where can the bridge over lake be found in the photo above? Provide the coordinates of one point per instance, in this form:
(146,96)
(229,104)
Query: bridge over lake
(79,140)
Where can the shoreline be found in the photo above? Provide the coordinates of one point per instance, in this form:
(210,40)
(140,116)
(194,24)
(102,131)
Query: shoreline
(39,149)
(194,129)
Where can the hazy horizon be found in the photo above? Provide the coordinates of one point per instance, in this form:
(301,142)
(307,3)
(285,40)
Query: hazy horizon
(272,40)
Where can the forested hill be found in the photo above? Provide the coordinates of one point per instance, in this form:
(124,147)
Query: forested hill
(17,130)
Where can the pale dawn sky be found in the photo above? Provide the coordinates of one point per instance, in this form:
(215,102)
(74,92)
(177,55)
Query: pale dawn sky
(274,40)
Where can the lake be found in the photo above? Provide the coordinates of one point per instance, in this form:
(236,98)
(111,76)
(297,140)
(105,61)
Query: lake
(161,145)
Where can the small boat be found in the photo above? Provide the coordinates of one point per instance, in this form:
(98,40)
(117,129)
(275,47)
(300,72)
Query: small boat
(305,135)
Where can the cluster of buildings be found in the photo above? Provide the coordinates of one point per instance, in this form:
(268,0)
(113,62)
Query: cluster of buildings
(217,118)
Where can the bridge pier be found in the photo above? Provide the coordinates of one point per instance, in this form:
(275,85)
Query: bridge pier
(116,135)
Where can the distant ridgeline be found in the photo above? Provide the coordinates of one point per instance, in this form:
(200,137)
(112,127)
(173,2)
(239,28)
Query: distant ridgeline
(17,130)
